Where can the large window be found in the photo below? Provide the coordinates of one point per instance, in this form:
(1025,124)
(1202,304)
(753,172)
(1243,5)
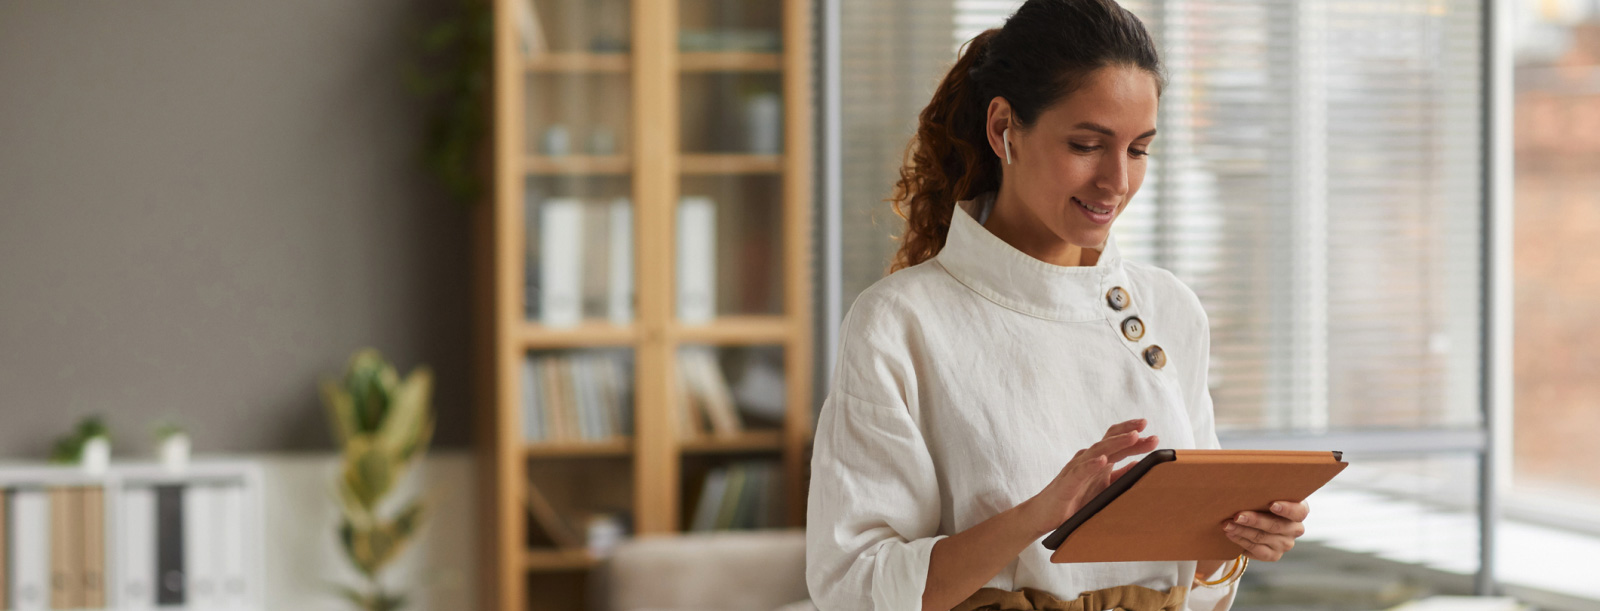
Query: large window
(1557,160)
(1319,182)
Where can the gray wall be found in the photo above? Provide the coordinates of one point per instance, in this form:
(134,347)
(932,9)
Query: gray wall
(207,206)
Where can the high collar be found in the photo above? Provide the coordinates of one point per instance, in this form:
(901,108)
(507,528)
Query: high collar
(1011,278)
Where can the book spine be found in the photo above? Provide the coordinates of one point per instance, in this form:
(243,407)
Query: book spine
(171,584)
(619,307)
(137,575)
(560,231)
(94,548)
(697,224)
(30,560)
(532,418)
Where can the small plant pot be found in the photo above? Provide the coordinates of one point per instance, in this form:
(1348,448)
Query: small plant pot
(95,457)
(174,451)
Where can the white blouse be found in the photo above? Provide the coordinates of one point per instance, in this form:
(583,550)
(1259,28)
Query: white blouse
(965,384)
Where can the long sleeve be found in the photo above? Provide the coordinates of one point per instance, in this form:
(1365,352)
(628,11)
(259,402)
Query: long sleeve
(873,508)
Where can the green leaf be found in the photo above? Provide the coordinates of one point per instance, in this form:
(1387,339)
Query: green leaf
(368,471)
(410,416)
(341,412)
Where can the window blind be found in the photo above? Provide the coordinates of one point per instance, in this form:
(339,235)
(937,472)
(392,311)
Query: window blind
(1316,181)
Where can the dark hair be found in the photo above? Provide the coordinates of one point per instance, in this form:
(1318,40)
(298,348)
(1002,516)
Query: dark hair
(1041,55)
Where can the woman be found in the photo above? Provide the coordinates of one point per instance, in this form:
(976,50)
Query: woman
(986,388)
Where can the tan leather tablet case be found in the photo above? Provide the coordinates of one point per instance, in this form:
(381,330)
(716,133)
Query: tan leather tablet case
(1176,510)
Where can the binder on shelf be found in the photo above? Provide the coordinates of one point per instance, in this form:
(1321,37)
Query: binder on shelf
(137,576)
(5,548)
(66,548)
(201,562)
(620,297)
(1154,512)
(595,260)
(171,580)
(94,547)
(233,576)
(560,267)
(697,259)
(30,552)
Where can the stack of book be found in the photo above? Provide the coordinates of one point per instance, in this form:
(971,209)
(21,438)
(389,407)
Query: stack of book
(740,495)
(705,402)
(576,397)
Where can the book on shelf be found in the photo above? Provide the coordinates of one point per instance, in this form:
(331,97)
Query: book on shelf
(704,395)
(66,548)
(30,551)
(137,589)
(5,565)
(548,521)
(560,263)
(171,580)
(531,29)
(584,263)
(620,297)
(576,397)
(739,495)
(696,259)
(94,547)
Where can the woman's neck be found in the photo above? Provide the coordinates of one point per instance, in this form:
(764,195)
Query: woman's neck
(1011,221)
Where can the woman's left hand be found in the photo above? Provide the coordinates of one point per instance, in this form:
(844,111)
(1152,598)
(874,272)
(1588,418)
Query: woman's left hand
(1268,536)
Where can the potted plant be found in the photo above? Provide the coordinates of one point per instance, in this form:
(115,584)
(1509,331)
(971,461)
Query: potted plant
(383,424)
(88,445)
(172,446)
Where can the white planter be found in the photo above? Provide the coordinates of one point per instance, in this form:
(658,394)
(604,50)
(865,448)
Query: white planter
(174,451)
(95,457)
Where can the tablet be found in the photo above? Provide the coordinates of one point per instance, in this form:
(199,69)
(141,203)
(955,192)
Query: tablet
(1171,505)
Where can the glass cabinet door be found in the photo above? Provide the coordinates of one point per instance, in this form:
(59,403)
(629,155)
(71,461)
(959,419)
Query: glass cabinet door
(731,132)
(576,101)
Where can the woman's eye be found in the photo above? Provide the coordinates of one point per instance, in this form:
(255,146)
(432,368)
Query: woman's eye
(1138,153)
(1083,149)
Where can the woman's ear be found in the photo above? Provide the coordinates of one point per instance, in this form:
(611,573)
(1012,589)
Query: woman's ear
(995,127)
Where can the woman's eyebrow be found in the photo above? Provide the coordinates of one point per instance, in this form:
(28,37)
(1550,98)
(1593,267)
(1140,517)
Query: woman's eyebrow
(1096,127)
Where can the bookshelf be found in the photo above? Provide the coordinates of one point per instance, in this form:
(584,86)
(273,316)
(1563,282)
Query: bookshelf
(682,126)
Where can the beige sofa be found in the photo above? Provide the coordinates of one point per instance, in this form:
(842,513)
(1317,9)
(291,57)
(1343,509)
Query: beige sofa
(722,571)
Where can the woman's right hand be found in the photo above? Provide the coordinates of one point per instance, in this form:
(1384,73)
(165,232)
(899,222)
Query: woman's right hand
(1086,475)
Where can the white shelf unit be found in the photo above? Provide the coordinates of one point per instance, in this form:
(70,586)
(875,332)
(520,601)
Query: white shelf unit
(220,535)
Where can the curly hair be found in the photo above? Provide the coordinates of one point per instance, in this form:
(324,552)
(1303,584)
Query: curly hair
(1043,53)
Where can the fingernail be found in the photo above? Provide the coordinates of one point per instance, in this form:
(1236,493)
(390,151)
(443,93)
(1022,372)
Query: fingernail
(1277,507)
(1230,528)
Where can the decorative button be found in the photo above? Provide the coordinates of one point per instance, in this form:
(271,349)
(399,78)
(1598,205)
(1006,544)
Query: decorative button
(1118,298)
(1155,356)
(1133,328)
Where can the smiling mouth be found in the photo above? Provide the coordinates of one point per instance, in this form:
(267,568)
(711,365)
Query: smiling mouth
(1094,209)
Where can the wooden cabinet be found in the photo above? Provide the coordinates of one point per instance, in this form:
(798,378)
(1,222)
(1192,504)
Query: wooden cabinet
(660,148)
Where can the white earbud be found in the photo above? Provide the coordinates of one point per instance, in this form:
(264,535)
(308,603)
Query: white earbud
(1006,136)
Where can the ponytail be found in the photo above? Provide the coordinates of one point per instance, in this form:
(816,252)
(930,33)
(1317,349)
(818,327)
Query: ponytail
(947,161)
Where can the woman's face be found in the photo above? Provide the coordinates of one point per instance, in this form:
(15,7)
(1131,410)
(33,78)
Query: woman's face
(1075,169)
